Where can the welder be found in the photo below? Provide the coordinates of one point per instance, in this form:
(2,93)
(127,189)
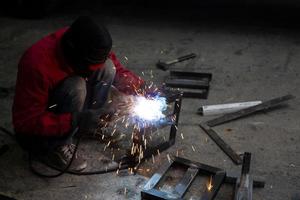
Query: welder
(63,84)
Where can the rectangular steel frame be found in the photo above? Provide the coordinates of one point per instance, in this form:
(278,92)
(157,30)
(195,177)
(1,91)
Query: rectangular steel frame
(194,168)
(196,84)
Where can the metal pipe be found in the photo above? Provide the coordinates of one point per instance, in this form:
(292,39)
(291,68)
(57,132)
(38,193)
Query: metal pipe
(226,108)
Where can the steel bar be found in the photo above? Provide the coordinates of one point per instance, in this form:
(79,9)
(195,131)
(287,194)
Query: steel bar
(174,126)
(186,181)
(244,184)
(247,111)
(205,169)
(187,83)
(231,178)
(221,143)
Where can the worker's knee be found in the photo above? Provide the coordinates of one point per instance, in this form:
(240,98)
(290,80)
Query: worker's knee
(70,95)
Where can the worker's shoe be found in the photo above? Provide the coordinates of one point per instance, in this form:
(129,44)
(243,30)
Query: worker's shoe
(61,157)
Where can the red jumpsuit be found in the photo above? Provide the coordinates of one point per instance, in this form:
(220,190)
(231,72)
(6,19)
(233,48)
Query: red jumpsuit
(40,70)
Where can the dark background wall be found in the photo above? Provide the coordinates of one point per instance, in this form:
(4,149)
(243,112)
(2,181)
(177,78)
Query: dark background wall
(269,9)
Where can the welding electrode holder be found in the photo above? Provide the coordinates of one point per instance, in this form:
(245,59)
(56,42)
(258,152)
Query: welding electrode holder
(166,65)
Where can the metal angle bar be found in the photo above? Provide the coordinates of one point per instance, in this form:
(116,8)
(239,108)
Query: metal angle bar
(186,83)
(190,75)
(231,178)
(221,143)
(247,111)
(154,180)
(173,131)
(201,93)
(154,194)
(185,182)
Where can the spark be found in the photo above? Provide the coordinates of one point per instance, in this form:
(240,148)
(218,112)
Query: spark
(153,159)
(164,137)
(149,109)
(193,148)
(126,58)
(54,105)
(113,132)
(94,102)
(182,135)
(169,159)
(209,184)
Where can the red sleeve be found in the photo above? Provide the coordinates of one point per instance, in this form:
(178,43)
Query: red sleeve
(125,80)
(30,115)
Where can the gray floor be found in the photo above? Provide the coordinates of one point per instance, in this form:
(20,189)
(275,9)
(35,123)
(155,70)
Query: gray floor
(247,62)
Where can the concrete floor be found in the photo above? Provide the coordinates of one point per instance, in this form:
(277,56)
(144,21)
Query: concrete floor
(248,62)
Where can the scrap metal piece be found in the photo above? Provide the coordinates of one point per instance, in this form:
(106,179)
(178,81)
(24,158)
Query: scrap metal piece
(244,185)
(247,111)
(221,143)
(187,83)
(185,182)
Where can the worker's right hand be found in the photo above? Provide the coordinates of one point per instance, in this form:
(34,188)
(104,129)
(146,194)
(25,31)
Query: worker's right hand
(89,120)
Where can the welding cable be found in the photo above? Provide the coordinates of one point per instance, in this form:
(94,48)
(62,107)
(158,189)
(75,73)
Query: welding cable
(61,172)
(4,130)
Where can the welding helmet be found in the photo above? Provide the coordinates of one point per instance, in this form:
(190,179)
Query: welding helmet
(86,44)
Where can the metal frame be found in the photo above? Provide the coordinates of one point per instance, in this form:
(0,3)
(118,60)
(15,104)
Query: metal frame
(194,84)
(131,161)
(194,168)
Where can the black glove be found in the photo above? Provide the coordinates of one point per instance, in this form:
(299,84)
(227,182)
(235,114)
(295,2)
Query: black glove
(89,120)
